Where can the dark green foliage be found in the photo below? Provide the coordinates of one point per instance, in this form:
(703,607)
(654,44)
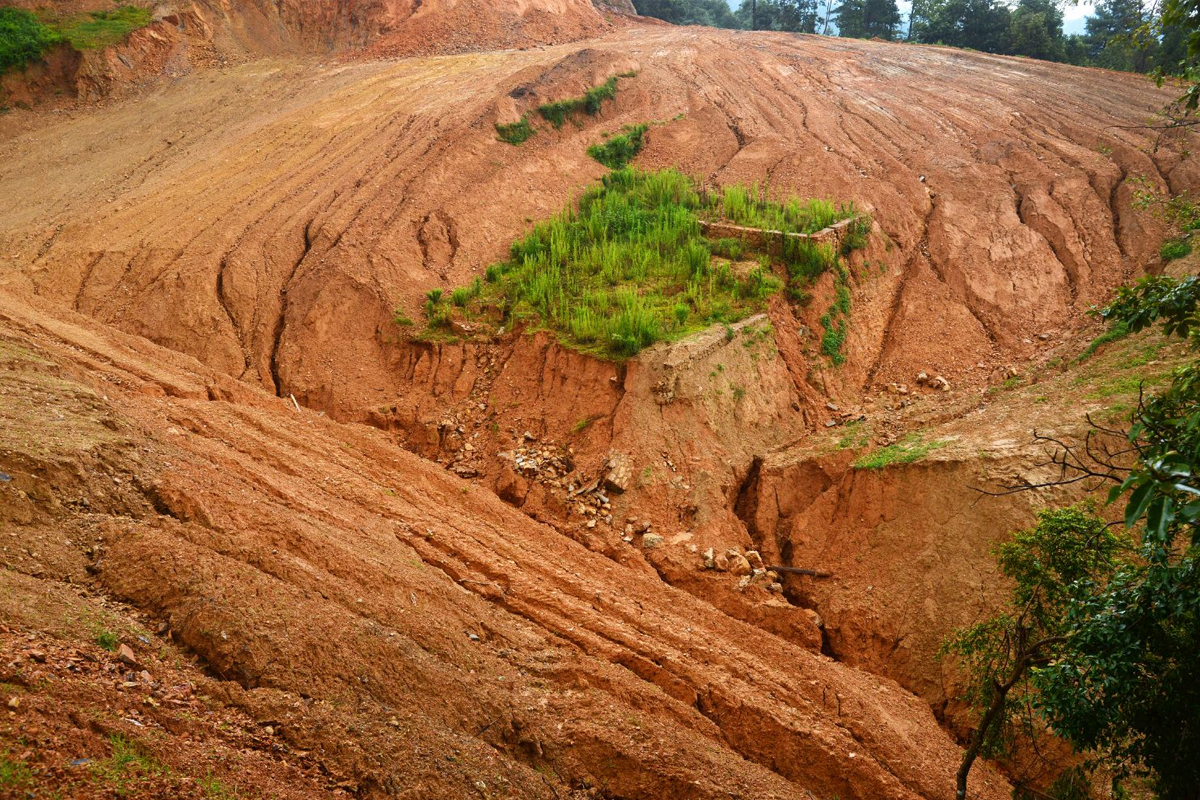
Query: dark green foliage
(796,16)
(977,24)
(559,111)
(1107,648)
(1174,248)
(713,13)
(619,150)
(1116,38)
(864,19)
(515,133)
(23,38)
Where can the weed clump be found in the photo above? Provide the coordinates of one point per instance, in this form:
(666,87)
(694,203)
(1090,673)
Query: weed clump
(590,103)
(1175,248)
(619,150)
(911,448)
(515,133)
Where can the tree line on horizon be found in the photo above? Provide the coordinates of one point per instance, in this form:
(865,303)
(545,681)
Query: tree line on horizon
(1125,35)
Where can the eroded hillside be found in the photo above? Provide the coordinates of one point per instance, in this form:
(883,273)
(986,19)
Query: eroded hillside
(534,571)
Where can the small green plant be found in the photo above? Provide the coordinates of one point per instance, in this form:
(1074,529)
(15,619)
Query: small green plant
(126,764)
(738,392)
(1174,248)
(557,112)
(619,150)
(515,133)
(585,423)
(1118,330)
(911,448)
(108,640)
(400,318)
(215,790)
(14,774)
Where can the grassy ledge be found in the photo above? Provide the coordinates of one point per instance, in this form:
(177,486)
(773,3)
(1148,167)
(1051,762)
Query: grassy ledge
(624,267)
(25,36)
(909,449)
(559,111)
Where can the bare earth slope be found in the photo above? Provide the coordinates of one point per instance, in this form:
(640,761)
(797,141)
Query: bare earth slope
(267,219)
(417,638)
(174,262)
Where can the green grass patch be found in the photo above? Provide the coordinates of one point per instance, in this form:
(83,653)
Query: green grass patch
(23,38)
(619,150)
(94,30)
(108,640)
(1117,332)
(624,267)
(515,132)
(14,773)
(585,423)
(911,448)
(127,764)
(559,111)
(1174,248)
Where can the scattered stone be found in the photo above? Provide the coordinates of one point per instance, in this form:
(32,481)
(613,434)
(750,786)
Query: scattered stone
(591,523)
(721,562)
(831,405)
(709,560)
(940,383)
(473,637)
(1043,336)
(775,588)
(618,473)
(651,541)
(738,565)
(642,526)
(755,559)
(921,378)
(14,703)
(126,656)
(38,656)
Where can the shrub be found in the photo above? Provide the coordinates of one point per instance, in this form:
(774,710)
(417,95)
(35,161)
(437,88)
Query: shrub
(619,150)
(460,296)
(515,133)
(1175,248)
(23,38)
(557,112)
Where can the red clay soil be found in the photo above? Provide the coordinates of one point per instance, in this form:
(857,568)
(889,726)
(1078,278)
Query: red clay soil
(174,257)
(406,631)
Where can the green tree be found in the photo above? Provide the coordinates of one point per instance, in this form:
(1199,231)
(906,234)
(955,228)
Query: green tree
(1118,36)
(795,16)
(864,19)
(1059,562)
(977,24)
(713,13)
(1035,30)
(1114,667)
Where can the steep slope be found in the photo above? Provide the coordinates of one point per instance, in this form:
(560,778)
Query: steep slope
(293,195)
(408,633)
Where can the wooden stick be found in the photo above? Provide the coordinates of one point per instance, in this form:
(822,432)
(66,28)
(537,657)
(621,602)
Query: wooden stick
(816,573)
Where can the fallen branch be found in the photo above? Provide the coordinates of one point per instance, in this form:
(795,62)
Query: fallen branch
(816,573)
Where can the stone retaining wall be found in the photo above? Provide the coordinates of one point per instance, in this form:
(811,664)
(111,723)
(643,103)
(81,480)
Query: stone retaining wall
(772,241)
